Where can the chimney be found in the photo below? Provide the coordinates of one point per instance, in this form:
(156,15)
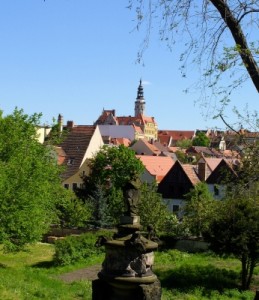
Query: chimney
(202,166)
(70,124)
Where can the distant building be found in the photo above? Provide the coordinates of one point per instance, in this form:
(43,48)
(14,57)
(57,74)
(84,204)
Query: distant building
(170,138)
(81,143)
(144,126)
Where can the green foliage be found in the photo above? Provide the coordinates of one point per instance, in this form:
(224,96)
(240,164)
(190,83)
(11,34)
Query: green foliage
(199,209)
(182,157)
(108,207)
(110,169)
(30,181)
(115,166)
(152,210)
(201,140)
(184,144)
(73,212)
(174,227)
(235,230)
(75,248)
(56,136)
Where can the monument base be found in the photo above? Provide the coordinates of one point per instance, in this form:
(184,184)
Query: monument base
(102,290)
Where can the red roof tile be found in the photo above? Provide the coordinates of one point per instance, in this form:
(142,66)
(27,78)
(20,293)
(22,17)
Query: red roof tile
(157,165)
(190,172)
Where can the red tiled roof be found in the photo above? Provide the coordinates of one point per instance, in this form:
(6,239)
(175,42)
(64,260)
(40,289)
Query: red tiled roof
(157,165)
(75,146)
(175,134)
(212,162)
(120,141)
(190,172)
(151,147)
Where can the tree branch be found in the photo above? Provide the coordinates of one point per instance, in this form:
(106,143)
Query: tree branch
(239,37)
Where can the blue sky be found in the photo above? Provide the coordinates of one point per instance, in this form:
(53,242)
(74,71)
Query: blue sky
(76,57)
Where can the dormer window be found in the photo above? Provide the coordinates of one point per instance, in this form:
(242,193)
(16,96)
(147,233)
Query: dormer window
(70,161)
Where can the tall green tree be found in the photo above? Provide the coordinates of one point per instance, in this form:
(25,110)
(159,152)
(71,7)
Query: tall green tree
(30,182)
(152,210)
(199,209)
(110,170)
(235,228)
(235,231)
(114,166)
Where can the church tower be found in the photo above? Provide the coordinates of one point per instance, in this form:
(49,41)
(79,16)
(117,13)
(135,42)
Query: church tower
(140,101)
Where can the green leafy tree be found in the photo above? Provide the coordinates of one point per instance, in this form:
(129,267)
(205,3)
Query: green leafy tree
(30,182)
(184,144)
(201,140)
(110,170)
(235,231)
(73,212)
(199,209)
(114,166)
(235,228)
(152,209)
(182,157)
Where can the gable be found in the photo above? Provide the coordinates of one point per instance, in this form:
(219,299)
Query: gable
(157,166)
(178,181)
(220,173)
(75,146)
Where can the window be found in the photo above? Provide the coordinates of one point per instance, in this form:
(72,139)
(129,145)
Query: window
(66,186)
(176,209)
(70,161)
(216,190)
(74,185)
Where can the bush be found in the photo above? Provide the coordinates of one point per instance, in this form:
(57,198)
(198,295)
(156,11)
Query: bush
(75,248)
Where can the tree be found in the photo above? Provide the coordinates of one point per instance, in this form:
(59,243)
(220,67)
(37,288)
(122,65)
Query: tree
(110,170)
(199,209)
(184,143)
(30,183)
(73,212)
(152,210)
(201,139)
(114,166)
(219,36)
(235,228)
(235,231)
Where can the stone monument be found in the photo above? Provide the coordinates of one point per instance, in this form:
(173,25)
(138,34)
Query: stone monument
(127,268)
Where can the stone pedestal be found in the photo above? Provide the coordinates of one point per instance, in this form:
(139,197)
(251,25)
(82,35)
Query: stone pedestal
(127,268)
(103,290)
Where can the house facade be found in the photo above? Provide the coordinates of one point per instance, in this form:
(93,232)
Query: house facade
(176,183)
(81,143)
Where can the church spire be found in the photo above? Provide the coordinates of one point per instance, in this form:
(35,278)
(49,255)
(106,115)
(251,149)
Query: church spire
(140,101)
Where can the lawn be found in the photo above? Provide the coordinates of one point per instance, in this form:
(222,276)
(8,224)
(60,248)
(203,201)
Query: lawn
(32,275)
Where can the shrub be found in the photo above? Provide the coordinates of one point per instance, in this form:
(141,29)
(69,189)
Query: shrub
(75,248)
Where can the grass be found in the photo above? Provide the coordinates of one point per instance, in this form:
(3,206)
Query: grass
(32,275)
(200,276)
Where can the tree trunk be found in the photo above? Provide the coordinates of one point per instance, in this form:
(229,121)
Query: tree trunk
(239,37)
(244,271)
(250,273)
